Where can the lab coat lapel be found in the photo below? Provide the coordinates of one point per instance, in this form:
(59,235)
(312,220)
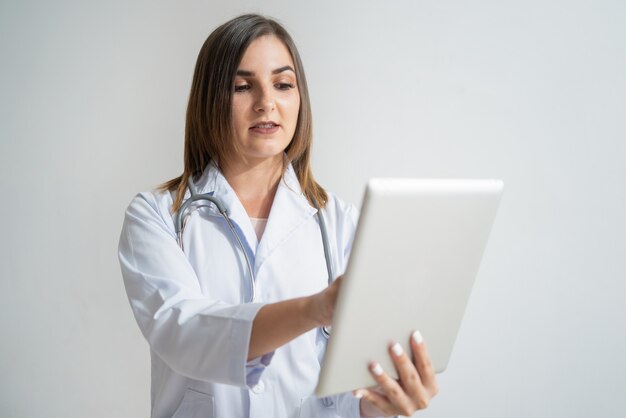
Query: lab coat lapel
(290,210)
(214,181)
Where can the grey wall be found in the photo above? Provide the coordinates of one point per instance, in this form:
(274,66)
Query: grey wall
(92,102)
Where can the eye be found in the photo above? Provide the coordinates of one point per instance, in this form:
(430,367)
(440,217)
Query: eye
(284,86)
(242,87)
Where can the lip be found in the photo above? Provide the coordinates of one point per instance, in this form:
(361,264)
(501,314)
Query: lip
(257,129)
(264,122)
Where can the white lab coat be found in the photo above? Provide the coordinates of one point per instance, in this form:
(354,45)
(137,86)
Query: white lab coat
(189,304)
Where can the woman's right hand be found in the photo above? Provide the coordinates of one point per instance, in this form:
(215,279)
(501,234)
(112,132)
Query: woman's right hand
(278,323)
(322,304)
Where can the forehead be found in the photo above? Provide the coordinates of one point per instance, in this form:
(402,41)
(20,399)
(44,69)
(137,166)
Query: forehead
(265,53)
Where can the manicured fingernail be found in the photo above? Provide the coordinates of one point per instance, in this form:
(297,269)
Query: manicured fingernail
(377,369)
(417,337)
(397,349)
(358,395)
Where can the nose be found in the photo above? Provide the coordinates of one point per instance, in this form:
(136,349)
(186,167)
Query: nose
(265,101)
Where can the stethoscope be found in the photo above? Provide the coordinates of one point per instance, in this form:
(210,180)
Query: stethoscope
(181,217)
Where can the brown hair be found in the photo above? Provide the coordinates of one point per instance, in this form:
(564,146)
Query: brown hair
(208,122)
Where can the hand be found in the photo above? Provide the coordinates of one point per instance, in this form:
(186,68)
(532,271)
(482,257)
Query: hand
(413,390)
(322,304)
(275,324)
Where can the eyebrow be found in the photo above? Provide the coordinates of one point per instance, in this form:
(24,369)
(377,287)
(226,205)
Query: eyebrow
(245,73)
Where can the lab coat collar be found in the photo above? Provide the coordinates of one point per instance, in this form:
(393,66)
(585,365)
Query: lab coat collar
(213,181)
(289,211)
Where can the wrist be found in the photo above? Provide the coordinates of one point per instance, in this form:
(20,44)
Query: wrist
(312,310)
(368,410)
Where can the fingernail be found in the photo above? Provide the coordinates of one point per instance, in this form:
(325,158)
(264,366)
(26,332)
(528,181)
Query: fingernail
(417,337)
(358,395)
(397,349)
(377,369)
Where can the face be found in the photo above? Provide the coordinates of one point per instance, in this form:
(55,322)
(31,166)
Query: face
(265,101)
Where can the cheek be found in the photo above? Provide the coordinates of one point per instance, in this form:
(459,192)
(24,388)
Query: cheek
(293,108)
(238,115)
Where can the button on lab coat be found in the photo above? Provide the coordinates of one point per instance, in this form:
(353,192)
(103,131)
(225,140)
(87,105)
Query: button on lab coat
(190,305)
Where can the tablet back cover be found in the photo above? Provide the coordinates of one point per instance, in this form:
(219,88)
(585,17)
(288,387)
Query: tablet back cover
(416,253)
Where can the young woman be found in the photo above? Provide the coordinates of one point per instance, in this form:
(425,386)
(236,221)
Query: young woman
(232,307)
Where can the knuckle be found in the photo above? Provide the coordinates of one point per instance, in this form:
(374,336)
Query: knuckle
(422,403)
(435,390)
(385,408)
(411,379)
(426,367)
(407,411)
(393,392)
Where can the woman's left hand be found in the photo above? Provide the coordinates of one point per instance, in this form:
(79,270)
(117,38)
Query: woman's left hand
(415,387)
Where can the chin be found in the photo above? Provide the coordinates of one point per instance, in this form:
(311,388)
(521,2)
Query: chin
(266,152)
(261,156)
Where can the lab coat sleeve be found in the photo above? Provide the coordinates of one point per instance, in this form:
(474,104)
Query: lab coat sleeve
(345,218)
(196,336)
(352,218)
(348,406)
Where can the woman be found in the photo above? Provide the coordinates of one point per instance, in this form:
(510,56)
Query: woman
(247,142)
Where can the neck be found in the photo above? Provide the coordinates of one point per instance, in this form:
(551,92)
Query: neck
(255,183)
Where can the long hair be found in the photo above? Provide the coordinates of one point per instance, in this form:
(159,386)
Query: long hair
(208,129)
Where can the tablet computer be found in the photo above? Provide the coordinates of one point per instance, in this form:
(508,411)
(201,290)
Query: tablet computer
(415,255)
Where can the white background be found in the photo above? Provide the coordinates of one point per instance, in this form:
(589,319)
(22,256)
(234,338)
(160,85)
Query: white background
(92,104)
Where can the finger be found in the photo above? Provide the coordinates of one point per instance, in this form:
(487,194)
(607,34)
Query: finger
(407,373)
(391,389)
(378,400)
(423,363)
